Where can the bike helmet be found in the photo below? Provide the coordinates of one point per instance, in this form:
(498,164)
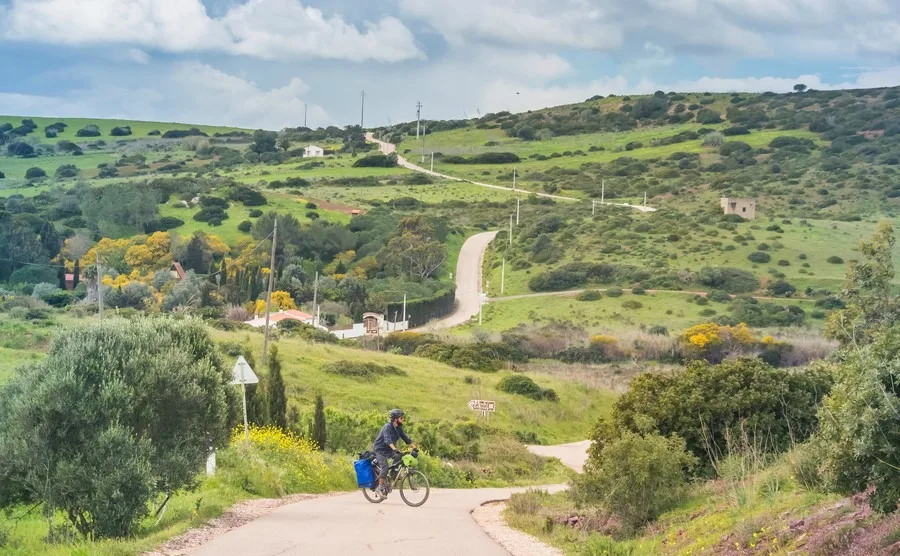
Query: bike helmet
(396,414)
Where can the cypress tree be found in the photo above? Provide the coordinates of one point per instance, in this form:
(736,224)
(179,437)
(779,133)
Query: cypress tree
(76,275)
(223,272)
(275,389)
(319,434)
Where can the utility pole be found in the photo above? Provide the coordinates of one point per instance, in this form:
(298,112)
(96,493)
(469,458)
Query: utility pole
(362,111)
(510,229)
(514,177)
(404,307)
(269,293)
(418,116)
(316,292)
(432,161)
(99,287)
(503,276)
(518,204)
(593,207)
(305,107)
(645,198)
(424,133)
(602,192)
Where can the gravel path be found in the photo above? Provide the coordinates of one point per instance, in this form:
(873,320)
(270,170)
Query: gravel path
(490,517)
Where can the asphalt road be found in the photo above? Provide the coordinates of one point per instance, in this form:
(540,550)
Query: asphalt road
(468,282)
(348,524)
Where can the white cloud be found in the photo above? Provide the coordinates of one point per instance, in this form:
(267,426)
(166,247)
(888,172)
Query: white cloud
(191,93)
(704,27)
(268,29)
(138,56)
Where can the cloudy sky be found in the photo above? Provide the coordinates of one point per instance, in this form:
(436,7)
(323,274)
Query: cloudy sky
(256,63)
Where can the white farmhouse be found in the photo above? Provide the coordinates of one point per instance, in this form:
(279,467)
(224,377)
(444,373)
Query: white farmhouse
(314,151)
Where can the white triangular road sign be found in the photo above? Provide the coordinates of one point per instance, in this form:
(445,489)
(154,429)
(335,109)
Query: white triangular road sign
(243,374)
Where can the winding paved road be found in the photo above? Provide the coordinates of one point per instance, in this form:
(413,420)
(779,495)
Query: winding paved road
(468,283)
(348,524)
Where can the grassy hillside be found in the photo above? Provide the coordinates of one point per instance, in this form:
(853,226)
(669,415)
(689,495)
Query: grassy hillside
(139,129)
(432,390)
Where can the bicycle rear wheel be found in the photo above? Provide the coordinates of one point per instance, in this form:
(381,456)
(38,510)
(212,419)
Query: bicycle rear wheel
(414,488)
(373,495)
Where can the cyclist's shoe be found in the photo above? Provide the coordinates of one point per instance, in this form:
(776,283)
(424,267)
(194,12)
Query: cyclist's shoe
(384,490)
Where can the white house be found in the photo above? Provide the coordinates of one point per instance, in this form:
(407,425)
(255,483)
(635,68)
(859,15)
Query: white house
(313,150)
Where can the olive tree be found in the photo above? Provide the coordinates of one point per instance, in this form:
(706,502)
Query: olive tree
(116,413)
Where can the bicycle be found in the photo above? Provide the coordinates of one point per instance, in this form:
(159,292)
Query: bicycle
(410,482)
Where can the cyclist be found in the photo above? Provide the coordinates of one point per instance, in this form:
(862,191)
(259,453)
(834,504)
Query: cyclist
(385,445)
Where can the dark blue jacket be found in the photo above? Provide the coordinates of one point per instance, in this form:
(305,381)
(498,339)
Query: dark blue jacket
(389,435)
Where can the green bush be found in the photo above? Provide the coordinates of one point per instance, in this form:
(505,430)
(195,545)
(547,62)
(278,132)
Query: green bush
(781,288)
(731,280)
(589,295)
(103,437)
(525,386)
(245,226)
(632,304)
(638,477)
(615,292)
(759,257)
(718,296)
(658,330)
(705,402)
(638,291)
(834,259)
(359,369)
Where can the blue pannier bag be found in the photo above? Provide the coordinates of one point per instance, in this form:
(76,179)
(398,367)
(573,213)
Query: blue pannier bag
(365,477)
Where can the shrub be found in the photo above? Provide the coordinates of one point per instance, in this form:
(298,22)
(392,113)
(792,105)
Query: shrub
(718,296)
(108,172)
(636,476)
(784,262)
(524,386)
(759,257)
(706,116)
(638,291)
(35,173)
(114,386)
(360,369)
(67,171)
(706,403)
(781,288)
(122,131)
(658,330)
(407,342)
(377,161)
(245,226)
(632,304)
(615,292)
(589,295)
(834,259)
(89,130)
(714,139)
(255,213)
(731,280)
(211,214)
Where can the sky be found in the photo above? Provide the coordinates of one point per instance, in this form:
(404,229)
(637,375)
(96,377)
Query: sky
(261,63)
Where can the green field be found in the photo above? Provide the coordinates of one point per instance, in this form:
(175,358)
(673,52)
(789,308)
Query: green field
(335,167)
(279,202)
(139,129)
(468,141)
(431,390)
(816,239)
(434,193)
(675,311)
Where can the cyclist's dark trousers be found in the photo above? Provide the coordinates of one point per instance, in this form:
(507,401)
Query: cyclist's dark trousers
(382,459)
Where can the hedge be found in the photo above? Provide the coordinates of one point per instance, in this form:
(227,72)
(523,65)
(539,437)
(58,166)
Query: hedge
(420,311)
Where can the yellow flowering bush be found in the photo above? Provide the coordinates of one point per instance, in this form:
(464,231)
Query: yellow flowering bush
(712,342)
(276,463)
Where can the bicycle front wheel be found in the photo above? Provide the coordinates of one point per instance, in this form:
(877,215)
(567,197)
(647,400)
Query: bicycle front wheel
(414,489)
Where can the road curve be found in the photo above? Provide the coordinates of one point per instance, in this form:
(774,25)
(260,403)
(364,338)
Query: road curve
(388,148)
(348,524)
(468,282)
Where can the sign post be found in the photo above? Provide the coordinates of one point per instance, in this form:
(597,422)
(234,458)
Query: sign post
(244,375)
(486,407)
